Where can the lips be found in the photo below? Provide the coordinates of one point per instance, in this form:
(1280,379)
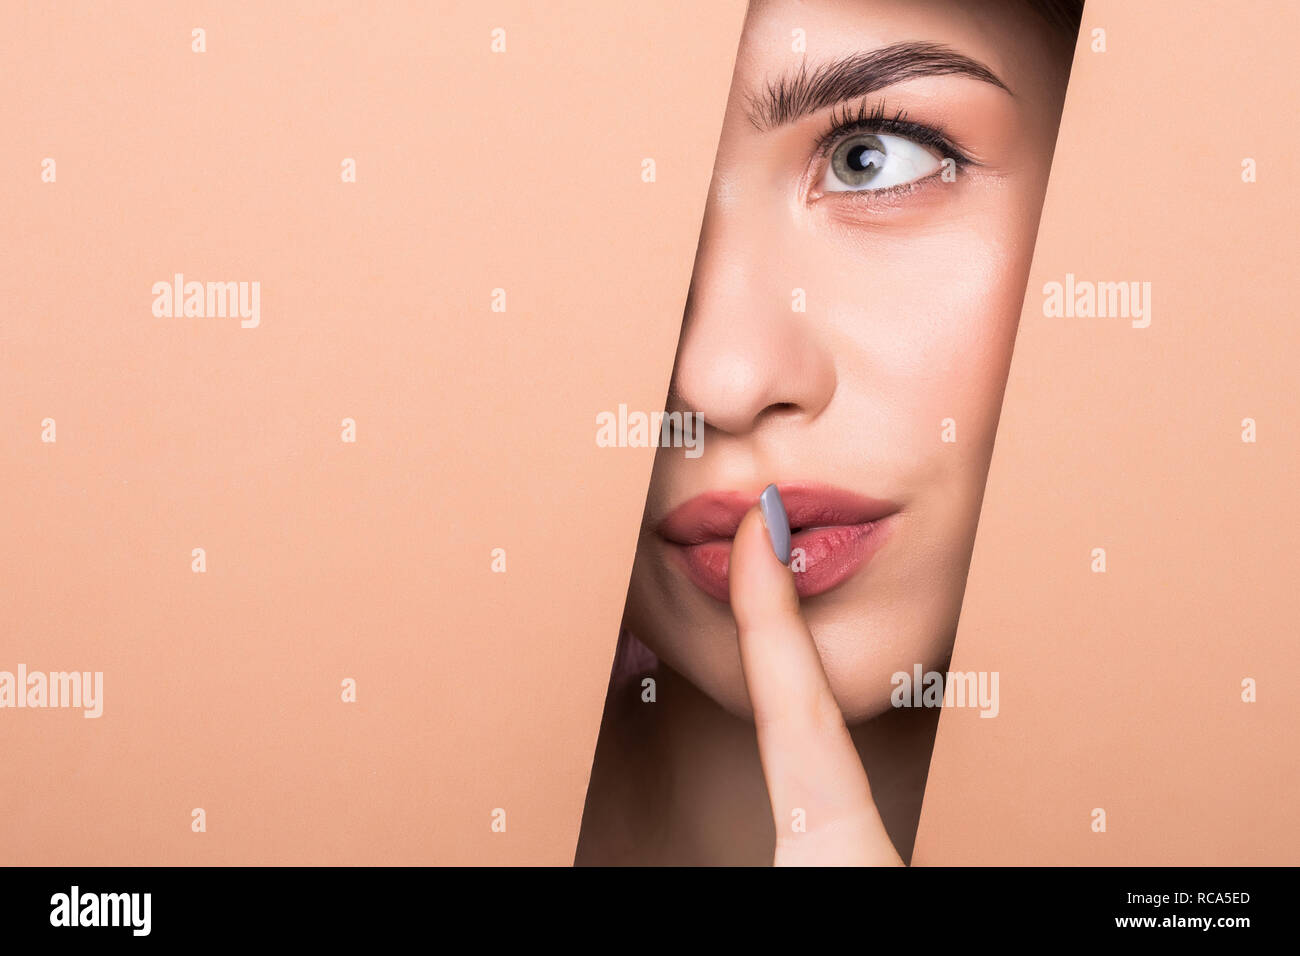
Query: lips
(837,531)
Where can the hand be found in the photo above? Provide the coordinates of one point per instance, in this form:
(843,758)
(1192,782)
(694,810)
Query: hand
(809,761)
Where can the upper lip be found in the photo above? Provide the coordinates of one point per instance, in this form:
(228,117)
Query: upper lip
(715,515)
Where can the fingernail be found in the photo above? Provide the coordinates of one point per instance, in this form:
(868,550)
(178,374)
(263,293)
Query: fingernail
(776,522)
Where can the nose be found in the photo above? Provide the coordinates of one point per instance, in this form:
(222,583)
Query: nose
(746,355)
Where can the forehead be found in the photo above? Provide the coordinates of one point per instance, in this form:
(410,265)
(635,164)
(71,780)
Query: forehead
(1005,35)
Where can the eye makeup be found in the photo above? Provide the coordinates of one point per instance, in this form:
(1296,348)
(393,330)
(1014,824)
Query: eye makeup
(875,119)
(863,121)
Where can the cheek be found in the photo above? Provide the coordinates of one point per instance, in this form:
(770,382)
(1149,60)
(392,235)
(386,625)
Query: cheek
(930,333)
(971,324)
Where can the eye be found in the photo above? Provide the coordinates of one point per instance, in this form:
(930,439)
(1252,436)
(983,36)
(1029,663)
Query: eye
(863,161)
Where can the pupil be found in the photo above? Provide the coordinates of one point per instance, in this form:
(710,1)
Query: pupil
(861,158)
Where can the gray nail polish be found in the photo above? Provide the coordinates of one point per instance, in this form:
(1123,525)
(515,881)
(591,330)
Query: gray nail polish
(778,524)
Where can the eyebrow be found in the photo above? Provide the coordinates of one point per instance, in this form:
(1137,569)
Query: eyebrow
(803,93)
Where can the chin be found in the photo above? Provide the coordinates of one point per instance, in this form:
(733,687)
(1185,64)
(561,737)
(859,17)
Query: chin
(888,620)
(859,658)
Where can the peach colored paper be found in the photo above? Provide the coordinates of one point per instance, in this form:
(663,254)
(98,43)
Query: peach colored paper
(1122,690)
(475,429)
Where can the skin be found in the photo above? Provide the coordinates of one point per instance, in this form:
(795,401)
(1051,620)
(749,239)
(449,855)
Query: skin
(766,704)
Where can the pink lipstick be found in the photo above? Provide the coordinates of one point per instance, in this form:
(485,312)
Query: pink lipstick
(834,534)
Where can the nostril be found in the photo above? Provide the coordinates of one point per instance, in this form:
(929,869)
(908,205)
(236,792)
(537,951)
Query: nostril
(778,410)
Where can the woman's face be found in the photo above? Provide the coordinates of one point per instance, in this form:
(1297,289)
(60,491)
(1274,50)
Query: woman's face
(864,254)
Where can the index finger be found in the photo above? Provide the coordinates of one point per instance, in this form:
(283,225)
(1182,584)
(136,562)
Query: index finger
(821,798)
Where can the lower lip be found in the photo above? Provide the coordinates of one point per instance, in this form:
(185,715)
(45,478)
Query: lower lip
(831,556)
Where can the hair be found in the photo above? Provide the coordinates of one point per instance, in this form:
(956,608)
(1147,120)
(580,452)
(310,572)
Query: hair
(1063,15)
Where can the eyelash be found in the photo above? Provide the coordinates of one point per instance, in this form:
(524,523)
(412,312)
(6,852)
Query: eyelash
(875,120)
